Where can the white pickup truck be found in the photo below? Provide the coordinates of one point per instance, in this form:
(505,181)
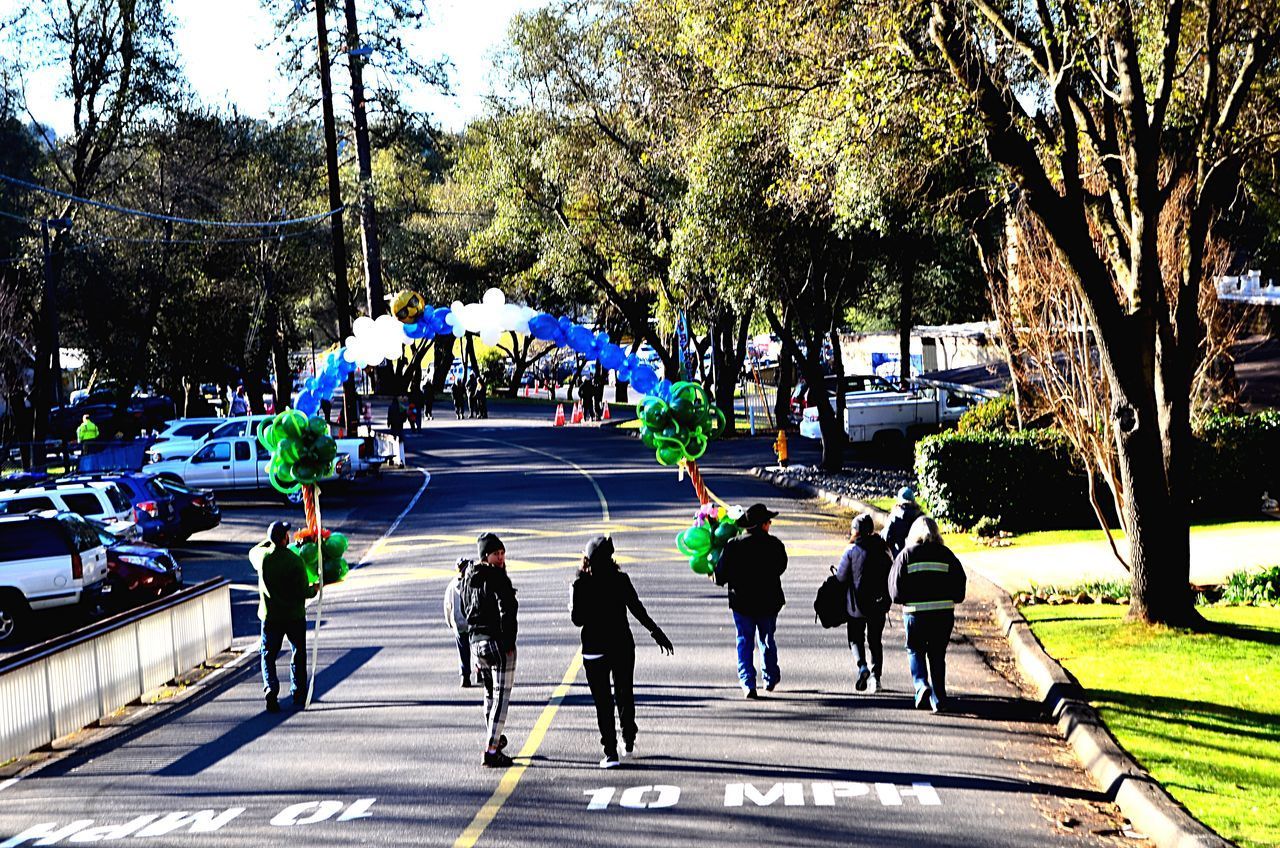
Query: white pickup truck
(877,416)
(239,463)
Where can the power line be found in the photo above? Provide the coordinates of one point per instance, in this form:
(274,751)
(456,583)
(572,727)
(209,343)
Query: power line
(239,240)
(171,219)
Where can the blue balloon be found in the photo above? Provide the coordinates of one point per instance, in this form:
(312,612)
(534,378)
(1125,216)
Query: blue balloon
(612,357)
(417,330)
(602,339)
(307,403)
(643,379)
(543,327)
(565,324)
(440,320)
(663,390)
(310,384)
(580,339)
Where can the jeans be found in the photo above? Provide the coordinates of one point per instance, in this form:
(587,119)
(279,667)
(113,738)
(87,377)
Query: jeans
(927,636)
(464,655)
(497,671)
(873,628)
(748,627)
(273,636)
(621,665)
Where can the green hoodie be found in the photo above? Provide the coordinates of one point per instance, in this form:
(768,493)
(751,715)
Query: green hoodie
(282,583)
(87,431)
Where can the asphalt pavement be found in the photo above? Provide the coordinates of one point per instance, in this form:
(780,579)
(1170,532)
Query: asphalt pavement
(389,754)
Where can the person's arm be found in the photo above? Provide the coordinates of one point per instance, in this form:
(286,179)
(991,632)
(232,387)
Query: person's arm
(257,553)
(642,615)
(577,603)
(723,573)
(958,577)
(782,555)
(507,607)
(897,573)
(844,571)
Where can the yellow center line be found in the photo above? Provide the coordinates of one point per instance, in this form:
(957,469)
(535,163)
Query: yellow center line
(512,776)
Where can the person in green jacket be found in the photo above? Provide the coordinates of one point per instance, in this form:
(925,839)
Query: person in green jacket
(283,590)
(87,431)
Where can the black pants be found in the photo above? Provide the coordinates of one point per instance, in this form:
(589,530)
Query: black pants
(874,629)
(621,664)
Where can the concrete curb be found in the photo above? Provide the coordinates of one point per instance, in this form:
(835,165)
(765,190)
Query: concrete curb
(1146,803)
(784,481)
(1142,799)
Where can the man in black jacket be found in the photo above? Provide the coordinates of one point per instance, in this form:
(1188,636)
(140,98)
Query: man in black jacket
(904,514)
(752,566)
(489,601)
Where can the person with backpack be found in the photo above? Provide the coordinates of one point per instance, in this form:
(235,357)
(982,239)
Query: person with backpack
(456,618)
(864,568)
(489,602)
(904,514)
(928,581)
(752,566)
(598,603)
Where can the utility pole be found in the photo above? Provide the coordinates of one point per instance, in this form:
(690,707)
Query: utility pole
(356,56)
(350,403)
(47,391)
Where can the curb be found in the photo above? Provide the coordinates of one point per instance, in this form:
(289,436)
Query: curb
(1140,797)
(784,481)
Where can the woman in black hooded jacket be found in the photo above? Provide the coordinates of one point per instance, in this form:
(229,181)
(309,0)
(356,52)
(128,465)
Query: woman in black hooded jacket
(598,603)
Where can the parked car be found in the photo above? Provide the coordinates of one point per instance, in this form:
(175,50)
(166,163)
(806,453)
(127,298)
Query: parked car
(136,571)
(92,499)
(153,507)
(187,428)
(244,425)
(197,508)
(113,412)
(49,559)
(238,463)
(889,419)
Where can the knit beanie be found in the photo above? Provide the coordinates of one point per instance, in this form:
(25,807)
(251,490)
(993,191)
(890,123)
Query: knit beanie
(864,525)
(487,543)
(599,551)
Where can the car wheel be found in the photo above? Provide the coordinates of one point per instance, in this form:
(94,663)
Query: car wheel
(12,610)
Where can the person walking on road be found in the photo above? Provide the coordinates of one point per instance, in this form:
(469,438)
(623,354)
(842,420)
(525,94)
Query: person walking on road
(459,395)
(472,405)
(904,514)
(481,401)
(865,568)
(752,566)
(598,603)
(283,590)
(456,618)
(928,581)
(489,601)
(239,403)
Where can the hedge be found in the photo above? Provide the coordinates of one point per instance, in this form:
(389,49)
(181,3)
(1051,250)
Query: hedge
(1031,481)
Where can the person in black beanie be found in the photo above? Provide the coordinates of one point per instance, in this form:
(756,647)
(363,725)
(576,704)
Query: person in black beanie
(598,603)
(489,603)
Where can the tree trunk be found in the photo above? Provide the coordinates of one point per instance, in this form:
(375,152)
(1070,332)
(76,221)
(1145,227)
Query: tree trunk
(837,357)
(907,273)
(443,359)
(834,437)
(374,291)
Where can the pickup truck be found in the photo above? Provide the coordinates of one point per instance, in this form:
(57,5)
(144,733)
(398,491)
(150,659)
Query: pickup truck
(893,416)
(238,464)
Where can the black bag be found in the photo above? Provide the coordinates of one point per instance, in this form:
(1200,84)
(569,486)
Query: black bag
(832,604)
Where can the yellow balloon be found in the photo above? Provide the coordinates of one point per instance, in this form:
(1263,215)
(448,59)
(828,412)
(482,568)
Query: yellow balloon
(407,306)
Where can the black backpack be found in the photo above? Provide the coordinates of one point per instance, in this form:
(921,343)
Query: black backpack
(831,607)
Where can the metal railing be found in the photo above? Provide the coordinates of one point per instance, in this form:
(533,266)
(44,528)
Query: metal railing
(69,682)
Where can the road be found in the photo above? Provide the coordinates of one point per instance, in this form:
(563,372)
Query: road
(390,752)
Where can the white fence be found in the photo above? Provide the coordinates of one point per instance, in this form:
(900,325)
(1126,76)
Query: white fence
(69,683)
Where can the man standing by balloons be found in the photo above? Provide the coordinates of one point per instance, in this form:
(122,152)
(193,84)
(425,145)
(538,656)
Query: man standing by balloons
(283,591)
(489,602)
(752,566)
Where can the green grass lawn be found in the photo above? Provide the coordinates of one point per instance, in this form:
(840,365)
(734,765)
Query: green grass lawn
(1197,710)
(962,543)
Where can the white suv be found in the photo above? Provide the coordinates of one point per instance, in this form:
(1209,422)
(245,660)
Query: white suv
(96,499)
(47,559)
(245,425)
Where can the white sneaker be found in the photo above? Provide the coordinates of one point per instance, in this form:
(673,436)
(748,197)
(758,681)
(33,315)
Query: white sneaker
(874,686)
(609,761)
(628,749)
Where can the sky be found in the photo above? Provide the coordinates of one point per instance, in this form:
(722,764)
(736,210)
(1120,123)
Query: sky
(219,44)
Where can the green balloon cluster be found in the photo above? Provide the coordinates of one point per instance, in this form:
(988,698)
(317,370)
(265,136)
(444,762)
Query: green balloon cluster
(704,542)
(680,427)
(332,548)
(302,451)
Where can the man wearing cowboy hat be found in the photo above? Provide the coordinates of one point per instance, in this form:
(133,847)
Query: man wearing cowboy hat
(751,566)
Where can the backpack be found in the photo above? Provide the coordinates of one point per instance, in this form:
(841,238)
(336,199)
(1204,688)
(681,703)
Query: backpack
(831,606)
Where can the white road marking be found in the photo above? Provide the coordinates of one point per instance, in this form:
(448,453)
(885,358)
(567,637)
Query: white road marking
(604,504)
(5,784)
(368,554)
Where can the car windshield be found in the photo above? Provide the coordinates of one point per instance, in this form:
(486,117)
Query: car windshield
(105,535)
(175,486)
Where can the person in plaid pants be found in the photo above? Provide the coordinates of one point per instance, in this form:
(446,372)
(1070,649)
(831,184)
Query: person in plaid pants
(489,601)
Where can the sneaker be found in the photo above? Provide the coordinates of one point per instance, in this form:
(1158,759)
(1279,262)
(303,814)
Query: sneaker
(771,685)
(628,747)
(924,699)
(502,741)
(863,675)
(750,693)
(466,683)
(610,760)
(937,705)
(273,704)
(496,759)
(874,686)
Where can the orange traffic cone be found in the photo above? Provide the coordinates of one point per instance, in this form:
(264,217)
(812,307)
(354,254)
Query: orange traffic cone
(577,412)
(559,415)
(604,416)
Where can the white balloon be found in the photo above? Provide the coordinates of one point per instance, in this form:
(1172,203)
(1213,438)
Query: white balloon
(494,297)
(490,335)
(362,325)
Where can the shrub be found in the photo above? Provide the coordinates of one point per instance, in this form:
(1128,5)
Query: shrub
(986,527)
(1253,587)
(993,416)
(1028,478)
(1236,459)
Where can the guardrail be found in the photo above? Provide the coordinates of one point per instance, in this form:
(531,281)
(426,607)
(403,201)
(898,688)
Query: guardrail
(68,683)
